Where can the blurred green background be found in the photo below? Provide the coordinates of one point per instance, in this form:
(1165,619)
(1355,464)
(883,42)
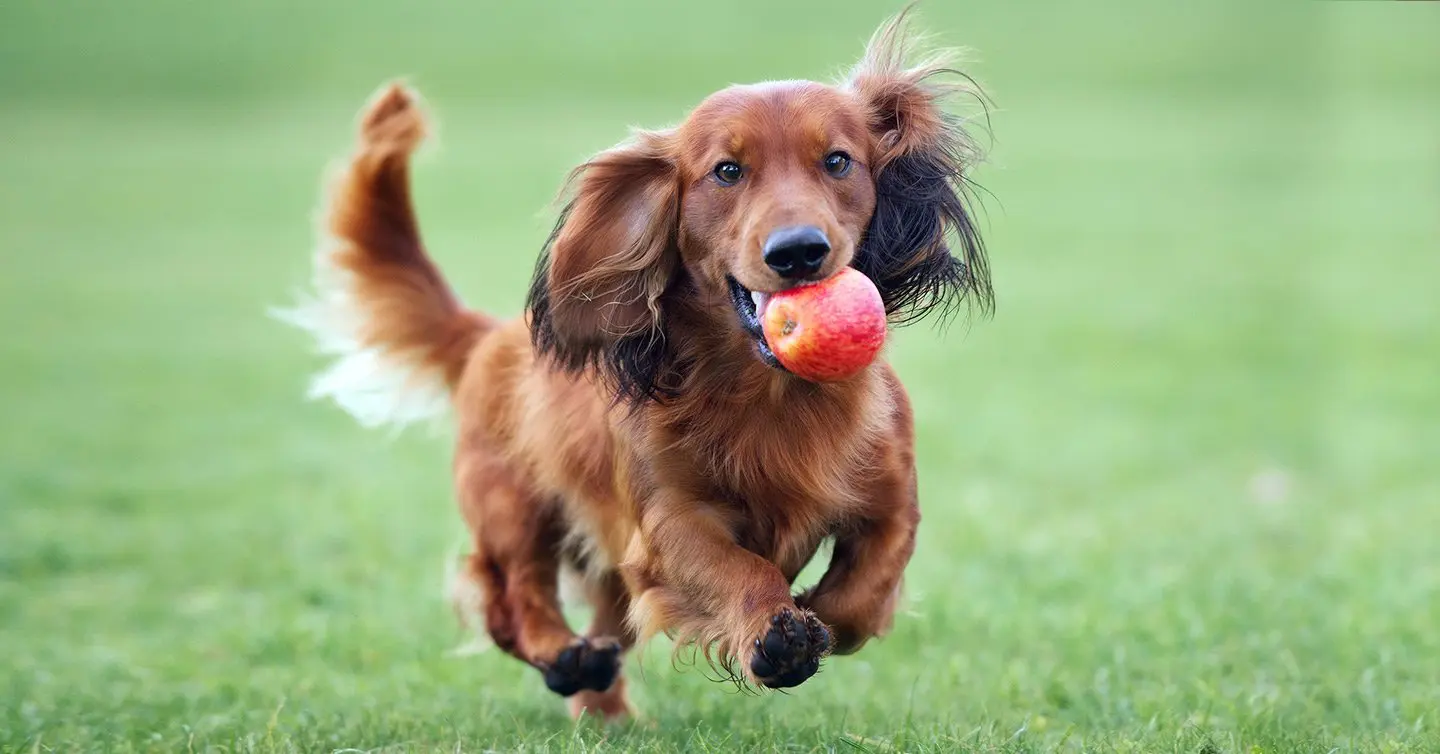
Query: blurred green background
(1181,493)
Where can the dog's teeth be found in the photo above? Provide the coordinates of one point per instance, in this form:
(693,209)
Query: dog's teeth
(760,299)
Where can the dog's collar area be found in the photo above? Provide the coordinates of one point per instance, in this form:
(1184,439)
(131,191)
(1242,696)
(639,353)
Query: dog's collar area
(744,303)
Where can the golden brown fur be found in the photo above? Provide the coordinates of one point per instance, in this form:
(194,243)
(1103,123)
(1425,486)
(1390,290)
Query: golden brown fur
(627,425)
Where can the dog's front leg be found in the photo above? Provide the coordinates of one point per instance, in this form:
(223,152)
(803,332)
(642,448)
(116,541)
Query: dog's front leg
(692,578)
(858,593)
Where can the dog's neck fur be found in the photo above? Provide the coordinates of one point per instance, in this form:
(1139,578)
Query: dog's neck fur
(751,435)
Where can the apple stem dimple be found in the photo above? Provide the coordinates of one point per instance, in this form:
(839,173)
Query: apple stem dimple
(788,327)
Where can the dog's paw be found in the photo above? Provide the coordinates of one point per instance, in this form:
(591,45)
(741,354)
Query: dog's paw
(587,664)
(790,651)
(609,706)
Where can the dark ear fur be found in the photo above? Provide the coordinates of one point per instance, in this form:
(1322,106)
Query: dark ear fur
(921,189)
(597,297)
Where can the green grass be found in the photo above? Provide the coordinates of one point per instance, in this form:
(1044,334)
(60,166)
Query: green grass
(1181,494)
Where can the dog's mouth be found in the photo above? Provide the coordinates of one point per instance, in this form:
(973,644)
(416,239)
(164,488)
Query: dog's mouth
(750,307)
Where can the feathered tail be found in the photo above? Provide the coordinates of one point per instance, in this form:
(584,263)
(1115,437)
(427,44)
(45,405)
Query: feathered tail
(399,336)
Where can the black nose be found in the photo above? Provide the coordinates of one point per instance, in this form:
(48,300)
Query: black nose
(796,251)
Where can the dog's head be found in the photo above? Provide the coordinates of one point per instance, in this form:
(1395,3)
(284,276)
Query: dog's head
(761,188)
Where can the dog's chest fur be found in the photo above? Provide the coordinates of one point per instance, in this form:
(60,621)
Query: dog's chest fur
(786,465)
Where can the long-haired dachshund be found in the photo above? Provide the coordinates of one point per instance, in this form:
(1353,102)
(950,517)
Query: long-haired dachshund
(634,425)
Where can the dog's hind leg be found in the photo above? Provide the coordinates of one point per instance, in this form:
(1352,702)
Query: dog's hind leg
(516,563)
(607,595)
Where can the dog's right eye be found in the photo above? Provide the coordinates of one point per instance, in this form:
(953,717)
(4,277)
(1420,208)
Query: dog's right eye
(728,173)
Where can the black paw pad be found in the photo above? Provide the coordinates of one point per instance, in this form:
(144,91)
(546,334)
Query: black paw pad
(790,651)
(592,664)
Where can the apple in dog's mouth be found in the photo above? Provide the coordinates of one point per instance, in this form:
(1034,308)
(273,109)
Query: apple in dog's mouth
(825,331)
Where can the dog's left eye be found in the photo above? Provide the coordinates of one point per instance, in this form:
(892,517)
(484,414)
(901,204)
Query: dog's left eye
(728,173)
(837,164)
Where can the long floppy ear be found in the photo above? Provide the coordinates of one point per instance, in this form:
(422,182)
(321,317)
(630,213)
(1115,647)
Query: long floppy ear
(597,297)
(922,190)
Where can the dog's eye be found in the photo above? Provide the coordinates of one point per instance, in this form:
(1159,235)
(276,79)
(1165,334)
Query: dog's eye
(728,173)
(837,164)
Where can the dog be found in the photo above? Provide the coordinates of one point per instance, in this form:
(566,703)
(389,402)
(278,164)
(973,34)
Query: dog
(634,425)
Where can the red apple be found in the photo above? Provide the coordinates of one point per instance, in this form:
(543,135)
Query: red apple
(826,331)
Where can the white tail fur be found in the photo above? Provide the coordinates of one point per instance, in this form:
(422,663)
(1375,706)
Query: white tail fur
(376,386)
